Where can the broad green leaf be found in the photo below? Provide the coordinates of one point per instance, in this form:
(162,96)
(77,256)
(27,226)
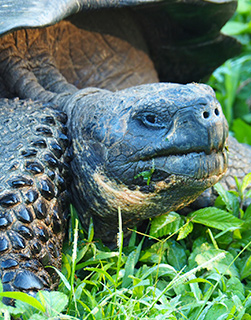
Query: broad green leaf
(238,185)
(233,28)
(39,317)
(185,230)
(155,254)
(224,265)
(216,218)
(139,285)
(103,255)
(54,301)
(248,194)
(176,256)
(165,224)
(217,310)
(237,302)
(151,257)
(66,261)
(99,256)
(247,214)
(246,181)
(200,245)
(234,286)
(133,239)
(244,7)
(92,298)
(162,270)
(232,79)
(215,276)
(81,252)
(230,200)
(246,270)
(13,310)
(25,298)
(27,310)
(195,288)
(199,280)
(242,131)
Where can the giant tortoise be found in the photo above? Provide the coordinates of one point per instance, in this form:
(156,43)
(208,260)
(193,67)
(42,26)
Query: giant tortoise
(101,68)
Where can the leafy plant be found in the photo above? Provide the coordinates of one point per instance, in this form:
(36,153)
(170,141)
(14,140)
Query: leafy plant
(177,272)
(48,305)
(232,81)
(147,175)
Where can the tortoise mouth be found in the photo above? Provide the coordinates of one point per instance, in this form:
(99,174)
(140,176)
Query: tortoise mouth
(192,165)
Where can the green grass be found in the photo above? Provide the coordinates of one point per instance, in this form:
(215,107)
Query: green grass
(186,268)
(196,267)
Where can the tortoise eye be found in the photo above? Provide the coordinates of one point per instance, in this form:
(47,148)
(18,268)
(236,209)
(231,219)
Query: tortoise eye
(151,119)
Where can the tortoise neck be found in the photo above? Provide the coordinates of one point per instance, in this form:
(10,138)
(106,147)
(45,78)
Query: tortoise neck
(67,102)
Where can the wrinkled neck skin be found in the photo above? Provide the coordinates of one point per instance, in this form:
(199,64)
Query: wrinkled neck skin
(148,150)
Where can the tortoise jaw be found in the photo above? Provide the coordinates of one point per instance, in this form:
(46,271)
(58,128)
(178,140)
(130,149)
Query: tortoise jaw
(197,166)
(193,166)
(168,193)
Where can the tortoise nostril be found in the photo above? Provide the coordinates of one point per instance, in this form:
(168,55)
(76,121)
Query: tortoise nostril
(216,111)
(206,114)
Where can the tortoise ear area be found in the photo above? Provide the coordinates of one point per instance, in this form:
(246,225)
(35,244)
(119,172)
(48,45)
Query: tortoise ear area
(95,155)
(107,130)
(93,132)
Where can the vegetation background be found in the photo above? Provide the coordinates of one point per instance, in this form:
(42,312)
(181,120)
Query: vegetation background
(195,267)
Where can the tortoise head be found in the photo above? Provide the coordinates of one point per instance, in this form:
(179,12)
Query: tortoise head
(148,150)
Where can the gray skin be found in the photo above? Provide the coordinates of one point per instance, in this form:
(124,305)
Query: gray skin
(138,128)
(179,130)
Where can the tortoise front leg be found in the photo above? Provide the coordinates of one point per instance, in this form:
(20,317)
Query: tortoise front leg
(28,74)
(32,195)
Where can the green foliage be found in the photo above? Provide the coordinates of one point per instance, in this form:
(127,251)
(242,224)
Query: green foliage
(232,81)
(147,175)
(242,131)
(48,305)
(195,267)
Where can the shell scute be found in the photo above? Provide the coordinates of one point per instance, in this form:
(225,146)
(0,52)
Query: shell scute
(4,244)
(26,280)
(16,240)
(47,189)
(24,214)
(5,221)
(29,153)
(34,167)
(19,182)
(9,200)
(9,263)
(8,276)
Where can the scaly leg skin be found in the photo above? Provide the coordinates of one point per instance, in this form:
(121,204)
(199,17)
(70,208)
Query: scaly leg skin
(32,195)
